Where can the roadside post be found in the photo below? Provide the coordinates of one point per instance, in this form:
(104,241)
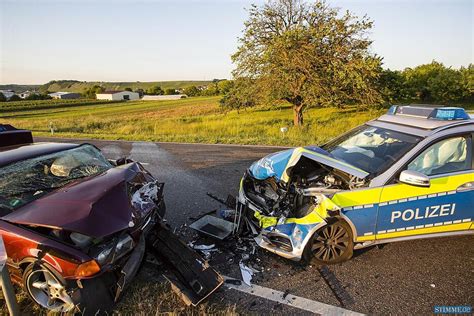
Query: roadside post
(7,287)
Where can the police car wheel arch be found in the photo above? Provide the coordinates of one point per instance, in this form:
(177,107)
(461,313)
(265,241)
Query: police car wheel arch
(332,243)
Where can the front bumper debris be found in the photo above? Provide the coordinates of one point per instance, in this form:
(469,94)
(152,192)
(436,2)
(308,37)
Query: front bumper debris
(193,279)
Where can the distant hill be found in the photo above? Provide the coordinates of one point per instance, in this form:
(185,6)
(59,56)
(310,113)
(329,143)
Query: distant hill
(80,86)
(19,87)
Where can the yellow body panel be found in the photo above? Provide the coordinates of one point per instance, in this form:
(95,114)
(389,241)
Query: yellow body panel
(444,184)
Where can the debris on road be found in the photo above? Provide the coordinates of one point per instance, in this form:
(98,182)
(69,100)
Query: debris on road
(247,273)
(193,279)
(231,237)
(213,226)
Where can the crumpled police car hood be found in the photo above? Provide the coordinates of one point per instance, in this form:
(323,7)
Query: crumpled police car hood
(96,207)
(276,164)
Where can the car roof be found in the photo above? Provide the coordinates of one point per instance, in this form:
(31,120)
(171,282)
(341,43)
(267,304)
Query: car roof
(421,120)
(16,153)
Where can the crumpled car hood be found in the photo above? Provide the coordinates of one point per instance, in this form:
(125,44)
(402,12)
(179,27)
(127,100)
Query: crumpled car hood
(275,165)
(96,207)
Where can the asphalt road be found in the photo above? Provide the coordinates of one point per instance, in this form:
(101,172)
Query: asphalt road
(400,278)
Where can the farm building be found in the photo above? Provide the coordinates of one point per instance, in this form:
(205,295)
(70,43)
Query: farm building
(117,95)
(163,97)
(26,94)
(64,95)
(7,93)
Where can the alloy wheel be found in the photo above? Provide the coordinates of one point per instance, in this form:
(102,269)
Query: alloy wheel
(48,291)
(330,243)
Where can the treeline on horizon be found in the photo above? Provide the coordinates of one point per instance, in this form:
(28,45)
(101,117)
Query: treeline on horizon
(428,83)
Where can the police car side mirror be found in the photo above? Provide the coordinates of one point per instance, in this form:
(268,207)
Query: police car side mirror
(415,178)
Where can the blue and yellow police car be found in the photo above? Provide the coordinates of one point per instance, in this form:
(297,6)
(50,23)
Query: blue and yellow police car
(405,175)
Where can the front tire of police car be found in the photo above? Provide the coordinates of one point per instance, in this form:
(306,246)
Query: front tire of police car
(331,244)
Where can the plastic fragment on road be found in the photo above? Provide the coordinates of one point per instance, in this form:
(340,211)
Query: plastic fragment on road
(247,273)
(213,226)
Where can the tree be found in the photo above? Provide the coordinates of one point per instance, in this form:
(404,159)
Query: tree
(170,91)
(224,86)
(191,91)
(2,97)
(392,87)
(36,96)
(435,83)
(128,89)
(15,98)
(308,54)
(155,90)
(211,89)
(140,92)
(243,93)
(467,82)
(90,93)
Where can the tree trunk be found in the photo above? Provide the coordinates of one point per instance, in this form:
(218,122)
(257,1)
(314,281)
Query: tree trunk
(298,115)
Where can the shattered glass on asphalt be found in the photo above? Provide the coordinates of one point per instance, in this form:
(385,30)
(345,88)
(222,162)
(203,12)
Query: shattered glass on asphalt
(25,181)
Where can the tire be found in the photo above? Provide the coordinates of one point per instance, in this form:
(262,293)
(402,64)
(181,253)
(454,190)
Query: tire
(46,289)
(92,298)
(331,244)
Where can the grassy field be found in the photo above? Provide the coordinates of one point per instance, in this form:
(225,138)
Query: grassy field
(188,120)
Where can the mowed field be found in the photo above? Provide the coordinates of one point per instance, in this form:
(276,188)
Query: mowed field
(193,120)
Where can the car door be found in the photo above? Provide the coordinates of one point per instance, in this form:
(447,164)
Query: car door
(446,205)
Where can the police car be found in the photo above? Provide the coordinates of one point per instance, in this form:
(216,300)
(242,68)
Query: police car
(406,175)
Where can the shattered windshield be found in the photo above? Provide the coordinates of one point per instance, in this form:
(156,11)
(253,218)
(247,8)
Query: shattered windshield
(371,149)
(30,179)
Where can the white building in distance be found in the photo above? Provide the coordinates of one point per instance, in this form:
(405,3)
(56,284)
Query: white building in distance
(117,95)
(7,93)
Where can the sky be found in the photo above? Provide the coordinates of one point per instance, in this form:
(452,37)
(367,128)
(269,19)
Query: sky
(153,40)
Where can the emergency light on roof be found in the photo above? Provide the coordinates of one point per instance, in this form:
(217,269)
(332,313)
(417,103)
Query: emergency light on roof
(437,113)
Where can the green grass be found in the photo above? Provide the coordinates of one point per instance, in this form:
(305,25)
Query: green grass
(199,120)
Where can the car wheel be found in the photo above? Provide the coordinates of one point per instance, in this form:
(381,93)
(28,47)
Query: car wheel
(331,244)
(46,289)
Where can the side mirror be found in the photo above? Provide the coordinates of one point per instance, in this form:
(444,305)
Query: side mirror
(415,178)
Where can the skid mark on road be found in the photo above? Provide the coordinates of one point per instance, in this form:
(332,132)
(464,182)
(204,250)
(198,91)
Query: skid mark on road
(291,300)
(336,287)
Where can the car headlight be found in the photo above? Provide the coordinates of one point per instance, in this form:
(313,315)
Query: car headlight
(113,250)
(81,240)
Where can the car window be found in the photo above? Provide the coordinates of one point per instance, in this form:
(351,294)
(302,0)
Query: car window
(445,156)
(27,180)
(372,149)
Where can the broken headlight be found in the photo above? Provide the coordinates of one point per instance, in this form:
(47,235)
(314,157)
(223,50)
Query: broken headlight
(113,250)
(81,240)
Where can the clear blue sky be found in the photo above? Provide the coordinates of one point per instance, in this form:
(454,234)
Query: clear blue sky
(145,40)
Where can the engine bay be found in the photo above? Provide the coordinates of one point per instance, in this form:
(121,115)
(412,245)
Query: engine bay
(308,180)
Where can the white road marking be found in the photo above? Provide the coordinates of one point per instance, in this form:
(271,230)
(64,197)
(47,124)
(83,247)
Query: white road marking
(291,300)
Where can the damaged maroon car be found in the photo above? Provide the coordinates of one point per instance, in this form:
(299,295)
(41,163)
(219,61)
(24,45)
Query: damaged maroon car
(74,223)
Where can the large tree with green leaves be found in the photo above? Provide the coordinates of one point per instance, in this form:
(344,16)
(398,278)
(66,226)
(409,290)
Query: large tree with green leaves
(308,54)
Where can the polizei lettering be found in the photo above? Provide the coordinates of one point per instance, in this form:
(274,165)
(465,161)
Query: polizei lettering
(420,213)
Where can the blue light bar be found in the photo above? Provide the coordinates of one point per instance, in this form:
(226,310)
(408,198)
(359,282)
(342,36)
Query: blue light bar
(437,113)
(449,114)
